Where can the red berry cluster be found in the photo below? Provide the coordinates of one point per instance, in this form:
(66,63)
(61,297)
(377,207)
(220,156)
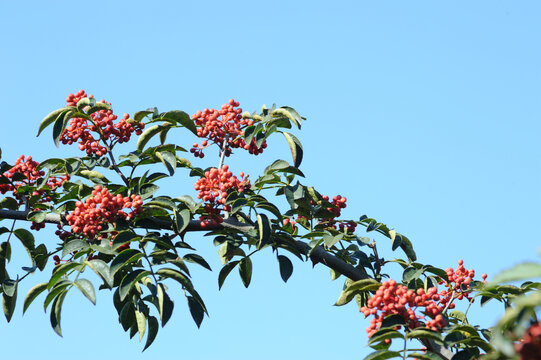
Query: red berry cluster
(28,167)
(102,124)
(392,298)
(529,347)
(103,207)
(213,190)
(222,125)
(338,203)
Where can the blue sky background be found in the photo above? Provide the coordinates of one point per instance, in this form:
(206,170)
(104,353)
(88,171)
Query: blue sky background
(424,114)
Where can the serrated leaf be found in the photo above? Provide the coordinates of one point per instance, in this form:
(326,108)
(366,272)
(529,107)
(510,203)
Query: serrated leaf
(87,289)
(33,294)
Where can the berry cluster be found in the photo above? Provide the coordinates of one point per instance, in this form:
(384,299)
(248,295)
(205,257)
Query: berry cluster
(529,347)
(102,124)
(392,298)
(213,190)
(224,125)
(103,207)
(338,203)
(28,167)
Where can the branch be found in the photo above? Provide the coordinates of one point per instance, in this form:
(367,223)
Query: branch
(318,255)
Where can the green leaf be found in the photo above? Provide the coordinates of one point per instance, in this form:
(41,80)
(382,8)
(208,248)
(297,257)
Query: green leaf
(264,227)
(9,302)
(56,310)
(74,245)
(290,113)
(523,271)
(36,216)
(424,334)
(126,257)
(93,176)
(27,239)
(225,271)
(5,251)
(181,118)
(424,356)
(196,310)
(152,331)
(33,294)
(141,321)
(182,219)
(286,267)
(87,289)
(129,280)
(411,273)
(60,125)
(245,271)
(168,159)
(194,258)
(140,115)
(145,137)
(295,147)
(49,119)
(382,355)
(102,269)
(61,270)
(459,315)
(165,305)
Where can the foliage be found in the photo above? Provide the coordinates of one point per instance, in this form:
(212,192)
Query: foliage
(137,242)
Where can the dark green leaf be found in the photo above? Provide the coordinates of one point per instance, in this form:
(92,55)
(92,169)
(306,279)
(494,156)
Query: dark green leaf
(196,310)
(286,267)
(56,310)
(141,321)
(126,257)
(264,227)
(165,304)
(245,271)
(194,258)
(9,302)
(152,331)
(295,147)
(382,355)
(145,137)
(129,280)
(168,159)
(33,294)
(49,119)
(225,271)
(74,245)
(26,237)
(182,219)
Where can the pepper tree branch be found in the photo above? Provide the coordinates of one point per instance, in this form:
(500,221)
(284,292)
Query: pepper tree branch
(318,255)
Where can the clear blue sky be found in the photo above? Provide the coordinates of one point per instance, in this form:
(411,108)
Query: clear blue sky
(426,115)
